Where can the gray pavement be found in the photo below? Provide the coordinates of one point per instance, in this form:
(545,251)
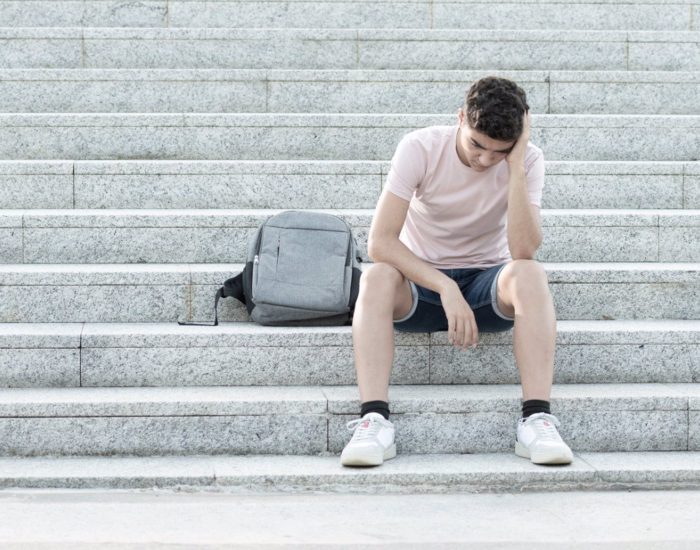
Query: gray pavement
(162,519)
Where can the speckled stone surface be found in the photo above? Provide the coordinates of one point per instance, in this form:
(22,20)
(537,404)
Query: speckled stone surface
(318,136)
(286,191)
(293,14)
(11,245)
(600,244)
(239,366)
(24,368)
(676,98)
(234,51)
(561,15)
(653,467)
(626,301)
(574,364)
(83,13)
(162,402)
(83,96)
(65,303)
(612,191)
(683,54)
(277,434)
(497,52)
(680,244)
(383,97)
(692,191)
(134,245)
(36,191)
(39,53)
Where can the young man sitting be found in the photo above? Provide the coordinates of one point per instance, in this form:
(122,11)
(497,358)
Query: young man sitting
(453,240)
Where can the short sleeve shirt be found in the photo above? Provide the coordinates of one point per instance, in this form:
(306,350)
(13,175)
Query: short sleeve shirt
(457,216)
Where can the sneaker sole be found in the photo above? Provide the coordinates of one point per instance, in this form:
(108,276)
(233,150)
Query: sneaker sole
(547,457)
(363,458)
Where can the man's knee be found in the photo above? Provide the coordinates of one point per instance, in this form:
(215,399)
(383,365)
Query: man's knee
(380,278)
(524,275)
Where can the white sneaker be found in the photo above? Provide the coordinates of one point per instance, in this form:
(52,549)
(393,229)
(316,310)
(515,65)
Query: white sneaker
(539,440)
(371,444)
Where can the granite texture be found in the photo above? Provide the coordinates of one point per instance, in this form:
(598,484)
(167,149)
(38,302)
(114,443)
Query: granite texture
(574,364)
(38,53)
(652,467)
(681,55)
(287,191)
(564,15)
(97,96)
(121,303)
(626,301)
(625,430)
(134,245)
(97,13)
(11,245)
(679,244)
(162,402)
(40,336)
(634,98)
(106,472)
(231,51)
(599,244)
(692,191)
(517,51)
(612,191)
(316,365)
(319,136)
(35,368)
(295,14)
(382,97)
(694,430)
(146,436)
(36,191)
(84,13)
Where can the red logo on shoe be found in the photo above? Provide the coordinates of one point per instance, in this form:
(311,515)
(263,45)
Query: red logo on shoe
(546,423)
(365,424)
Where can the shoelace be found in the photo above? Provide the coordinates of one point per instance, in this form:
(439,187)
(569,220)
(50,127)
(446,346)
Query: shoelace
(363,433)
(545,430)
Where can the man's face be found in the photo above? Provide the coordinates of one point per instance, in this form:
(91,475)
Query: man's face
(477,149)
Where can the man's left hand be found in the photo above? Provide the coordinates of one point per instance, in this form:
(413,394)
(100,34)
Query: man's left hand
(516,157)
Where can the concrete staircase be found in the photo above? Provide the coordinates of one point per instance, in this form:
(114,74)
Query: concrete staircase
(142,143)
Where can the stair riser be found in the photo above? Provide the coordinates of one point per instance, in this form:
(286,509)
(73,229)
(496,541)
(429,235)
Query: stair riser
(331,142)
(479,15)
(334,365)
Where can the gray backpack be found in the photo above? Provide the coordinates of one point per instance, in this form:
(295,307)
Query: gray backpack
(302,268)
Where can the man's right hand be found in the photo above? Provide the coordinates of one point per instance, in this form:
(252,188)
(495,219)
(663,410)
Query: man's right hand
(462,329)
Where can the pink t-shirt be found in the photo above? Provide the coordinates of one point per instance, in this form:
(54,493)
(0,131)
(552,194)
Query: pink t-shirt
(457,216)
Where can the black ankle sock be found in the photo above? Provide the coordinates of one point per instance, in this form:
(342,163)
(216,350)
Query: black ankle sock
(533,406)
(381,407)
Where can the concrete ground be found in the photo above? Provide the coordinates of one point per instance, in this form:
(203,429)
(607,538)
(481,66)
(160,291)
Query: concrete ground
(62,519)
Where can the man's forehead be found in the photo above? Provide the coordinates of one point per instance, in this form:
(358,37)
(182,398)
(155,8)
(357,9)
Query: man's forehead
(488,143)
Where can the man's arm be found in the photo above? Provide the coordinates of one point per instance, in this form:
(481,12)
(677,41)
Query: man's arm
(524,229)
(384,246)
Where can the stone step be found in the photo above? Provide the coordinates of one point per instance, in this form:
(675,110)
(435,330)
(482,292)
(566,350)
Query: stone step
(221,236)
(308,184)
(312,420)
(314,48)
(247,354)
(139,293)
(323,136)
(339,91)
(433,473)
(570,14)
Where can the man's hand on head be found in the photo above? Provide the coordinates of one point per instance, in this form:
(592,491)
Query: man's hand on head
(516,157)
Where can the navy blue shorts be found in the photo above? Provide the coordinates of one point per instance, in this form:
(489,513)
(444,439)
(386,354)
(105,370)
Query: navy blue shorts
(479,288)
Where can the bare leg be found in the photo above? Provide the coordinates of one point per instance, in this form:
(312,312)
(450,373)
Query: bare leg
(523,292)
(384,295)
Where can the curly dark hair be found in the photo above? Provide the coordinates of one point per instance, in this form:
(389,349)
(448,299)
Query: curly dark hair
(495,107)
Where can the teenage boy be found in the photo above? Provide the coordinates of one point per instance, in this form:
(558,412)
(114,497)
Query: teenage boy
(453,240)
